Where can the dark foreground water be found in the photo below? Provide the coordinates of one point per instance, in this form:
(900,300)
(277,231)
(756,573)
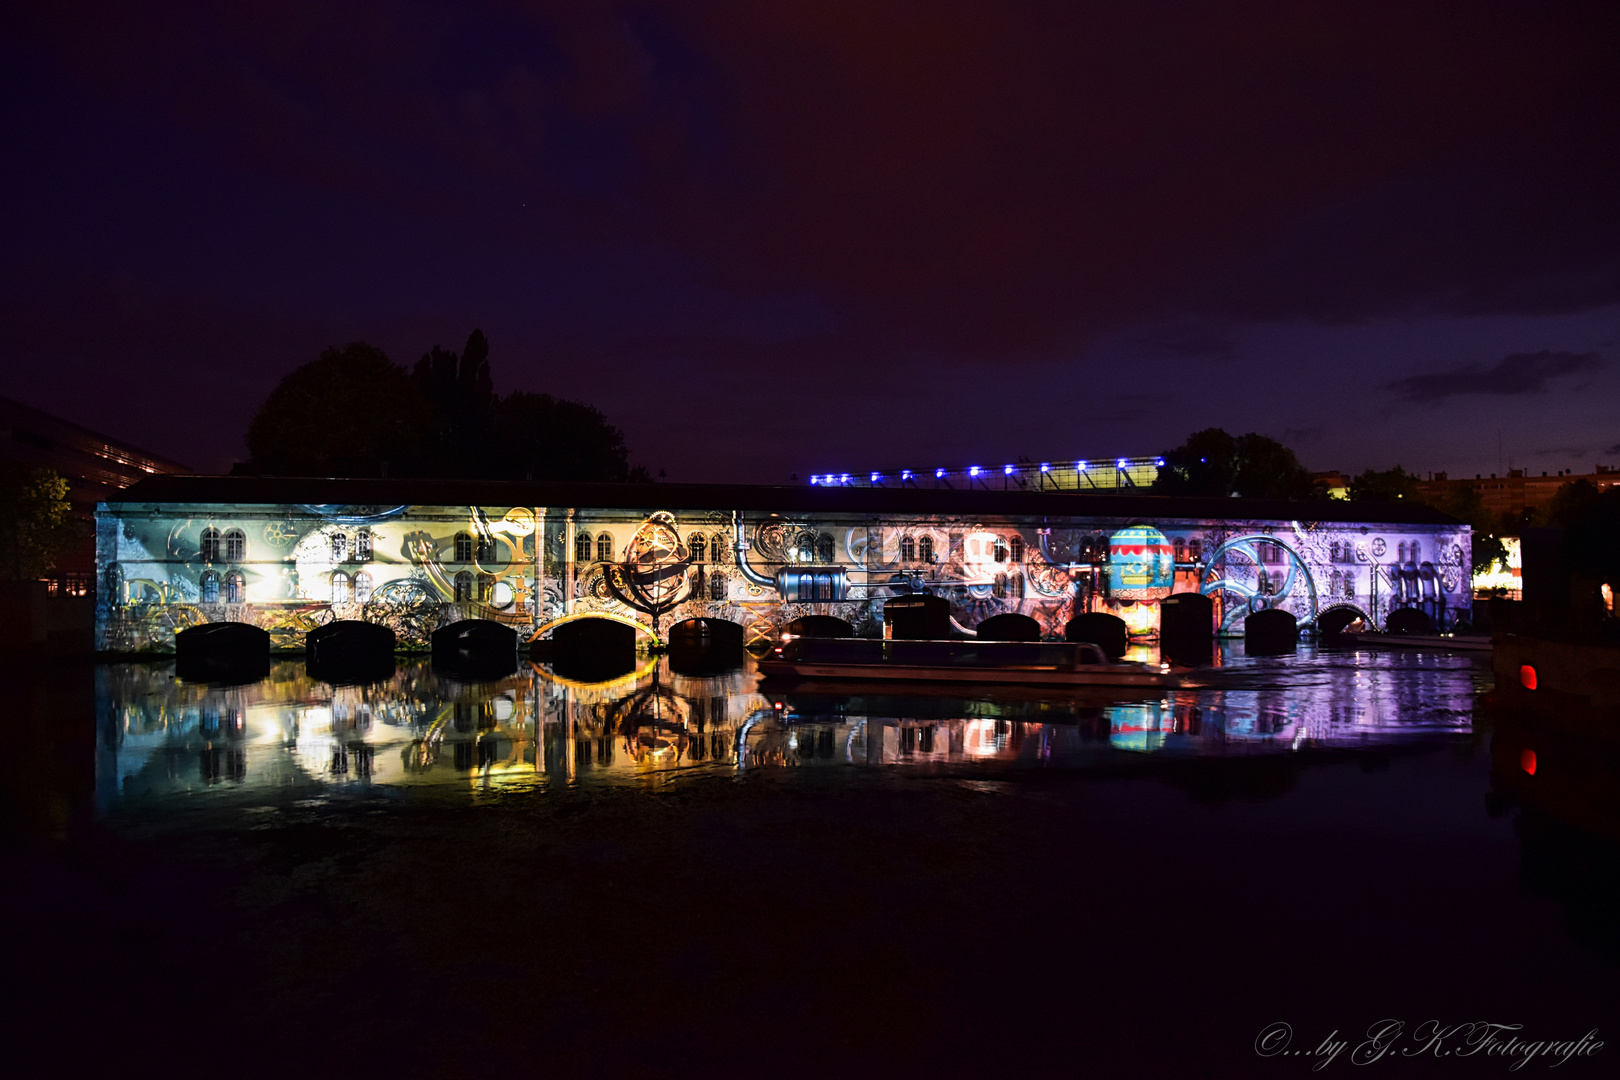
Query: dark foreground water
(671,876)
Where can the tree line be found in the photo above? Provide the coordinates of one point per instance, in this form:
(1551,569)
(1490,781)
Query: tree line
(353,412)
(1214,462)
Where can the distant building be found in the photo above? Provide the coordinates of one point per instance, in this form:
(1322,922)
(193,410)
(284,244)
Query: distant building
(1516,492)
(288,555)
(96,467)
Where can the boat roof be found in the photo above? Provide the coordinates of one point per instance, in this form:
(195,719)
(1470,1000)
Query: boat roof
(851,501)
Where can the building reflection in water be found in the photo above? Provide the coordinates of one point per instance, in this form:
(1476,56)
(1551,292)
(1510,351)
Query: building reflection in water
(161,736)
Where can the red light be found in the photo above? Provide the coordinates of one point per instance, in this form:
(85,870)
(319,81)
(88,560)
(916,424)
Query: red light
(1527,676)
(1527,761)
(778,705)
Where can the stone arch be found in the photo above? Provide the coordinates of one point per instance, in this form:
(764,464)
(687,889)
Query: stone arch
(705,644)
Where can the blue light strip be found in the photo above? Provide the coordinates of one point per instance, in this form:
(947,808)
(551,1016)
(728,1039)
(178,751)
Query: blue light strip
(1120,474)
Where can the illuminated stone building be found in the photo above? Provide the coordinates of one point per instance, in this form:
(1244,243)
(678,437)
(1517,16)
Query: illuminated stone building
(291,554)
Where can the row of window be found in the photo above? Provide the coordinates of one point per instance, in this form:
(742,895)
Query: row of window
(361,549)
(702,547)
(230,546)
(346,588)
(235,587)
(709,582)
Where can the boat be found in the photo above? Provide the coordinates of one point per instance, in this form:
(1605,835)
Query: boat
(1028,663)
(1382,639)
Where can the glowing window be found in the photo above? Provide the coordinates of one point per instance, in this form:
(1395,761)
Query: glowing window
(925,549)
(362,587)
(210,588)
(908,549)
(1000,553)
(582,547)
(1015,548)
(807,587)
(717,551)
(824,588)
(340,587)
(210,545)
(235,545)
(604,548)
(699,545)
(235,587)
(464,548)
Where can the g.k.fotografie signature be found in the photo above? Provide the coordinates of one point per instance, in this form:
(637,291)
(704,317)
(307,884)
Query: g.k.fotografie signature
(1386,1038)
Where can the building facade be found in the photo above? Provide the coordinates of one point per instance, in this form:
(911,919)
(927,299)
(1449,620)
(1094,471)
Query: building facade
(289,555)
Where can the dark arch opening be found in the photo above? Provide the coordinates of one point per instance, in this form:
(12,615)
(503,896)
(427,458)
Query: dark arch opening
(593,650)
(223,652)
(476,647)
(1108,632)
(1009,626)
(703,645)
(1270,632)
(1331,623)
(349,650)
(1409,621)
(1187,627)
(819,626)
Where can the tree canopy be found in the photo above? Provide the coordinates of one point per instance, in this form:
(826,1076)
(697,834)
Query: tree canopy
(1215,462)
(354,412)
(1385,485)
(37,527)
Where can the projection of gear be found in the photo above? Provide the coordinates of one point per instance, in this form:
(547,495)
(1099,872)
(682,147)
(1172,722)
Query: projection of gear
(406,607)
(652,578)
(1248,596)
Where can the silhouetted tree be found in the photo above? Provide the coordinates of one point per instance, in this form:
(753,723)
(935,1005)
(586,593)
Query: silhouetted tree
(351,412)
(462,397)
(37,527)
(539,437)
(1214,462)
(1387,485)
(1569,502)
(1464,503)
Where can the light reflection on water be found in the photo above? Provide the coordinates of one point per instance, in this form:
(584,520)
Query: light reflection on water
(290,734)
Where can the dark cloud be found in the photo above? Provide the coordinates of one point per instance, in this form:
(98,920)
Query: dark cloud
(1517,374)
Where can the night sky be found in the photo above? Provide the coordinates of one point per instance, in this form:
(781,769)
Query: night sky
(776,238)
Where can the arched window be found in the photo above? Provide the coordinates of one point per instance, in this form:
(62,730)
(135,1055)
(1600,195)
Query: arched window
(1016,582)
(464,586)
(604,548)
(699,545)
(925,549)
(717,586)
(1181,549)
(114,578)
(235,587)
(1333,552)
(807,549)
(999,588)
(1195,550)
(235,545)
(908,549)
(464,548)
(362,545)
(362,587)
(824,548)
(210,545)
(340,587)
(807,587)
(1417,551)
(1015,547)
(582,547)
(717,550)
(1000,552)
(486,549)
(699,583)
(1401,549)
(1263,584)
(340,547)
(824,587)
(486,583)
(209,590)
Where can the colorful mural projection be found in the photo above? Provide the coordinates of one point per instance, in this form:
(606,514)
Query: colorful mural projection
(291,568)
